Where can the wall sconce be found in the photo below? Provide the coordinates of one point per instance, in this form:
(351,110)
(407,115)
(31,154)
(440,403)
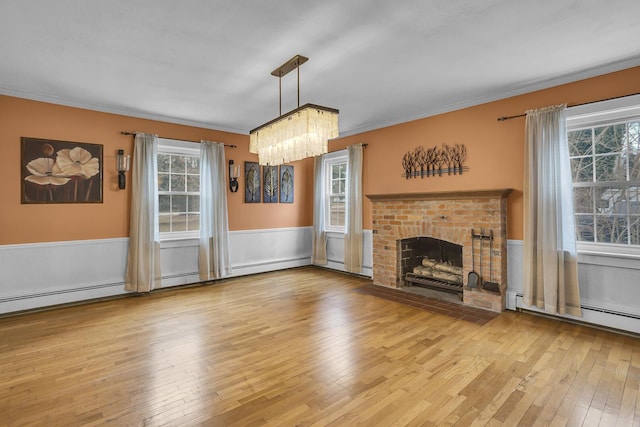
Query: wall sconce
(234,173)
(122,165)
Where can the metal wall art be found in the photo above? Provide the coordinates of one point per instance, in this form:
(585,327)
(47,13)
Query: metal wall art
(270,186)
(286,184)
(433,161)
(252,189)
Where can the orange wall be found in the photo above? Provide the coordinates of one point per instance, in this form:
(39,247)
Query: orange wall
(62,222)
(495,150)
(494,156)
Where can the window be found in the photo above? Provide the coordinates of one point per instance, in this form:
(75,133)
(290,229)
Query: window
(604,150)
(335,190)
(178,188)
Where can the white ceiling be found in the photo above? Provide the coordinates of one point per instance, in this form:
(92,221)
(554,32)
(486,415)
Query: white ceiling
(208,62)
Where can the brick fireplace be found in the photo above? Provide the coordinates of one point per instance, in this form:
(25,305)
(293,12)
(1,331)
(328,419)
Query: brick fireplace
(448,216)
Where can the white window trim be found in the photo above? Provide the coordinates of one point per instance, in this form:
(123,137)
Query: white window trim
(188,148)
(603,112)
(590,115)
(340,156)
(176,146)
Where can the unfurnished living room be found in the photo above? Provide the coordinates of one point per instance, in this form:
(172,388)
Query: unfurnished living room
(295,213)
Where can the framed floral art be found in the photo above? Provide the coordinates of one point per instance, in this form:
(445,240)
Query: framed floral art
(60,171)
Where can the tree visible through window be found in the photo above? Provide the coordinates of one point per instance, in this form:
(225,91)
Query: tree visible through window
(179,192)
(605,166)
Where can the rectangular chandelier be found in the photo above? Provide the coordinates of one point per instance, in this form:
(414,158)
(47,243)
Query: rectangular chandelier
(298,134)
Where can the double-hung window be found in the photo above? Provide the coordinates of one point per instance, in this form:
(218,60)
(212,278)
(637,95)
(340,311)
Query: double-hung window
(604,150)
(335,173)
(178,188)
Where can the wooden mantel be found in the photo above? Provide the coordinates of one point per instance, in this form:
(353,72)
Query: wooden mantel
(443,195)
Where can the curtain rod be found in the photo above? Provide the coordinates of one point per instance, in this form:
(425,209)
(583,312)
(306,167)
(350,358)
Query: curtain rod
(124,132)
(364,145)
(502,119)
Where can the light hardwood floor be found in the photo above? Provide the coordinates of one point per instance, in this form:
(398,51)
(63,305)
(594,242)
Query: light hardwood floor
(300,347)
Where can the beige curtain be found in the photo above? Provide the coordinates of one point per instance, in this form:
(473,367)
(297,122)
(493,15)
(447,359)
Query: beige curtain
(353,221)
(143,259)
(213,255)
(319,237)
(550,256)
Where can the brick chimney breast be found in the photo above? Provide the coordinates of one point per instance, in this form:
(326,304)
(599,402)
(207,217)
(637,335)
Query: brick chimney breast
(448,216)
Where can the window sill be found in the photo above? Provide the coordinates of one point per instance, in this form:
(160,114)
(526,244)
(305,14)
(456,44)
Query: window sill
(334,233)
(179,242)
(609,255)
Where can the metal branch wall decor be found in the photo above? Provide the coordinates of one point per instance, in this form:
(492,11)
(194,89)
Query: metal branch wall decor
(434,161)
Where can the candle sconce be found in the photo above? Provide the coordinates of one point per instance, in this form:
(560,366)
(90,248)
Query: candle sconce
(234,173)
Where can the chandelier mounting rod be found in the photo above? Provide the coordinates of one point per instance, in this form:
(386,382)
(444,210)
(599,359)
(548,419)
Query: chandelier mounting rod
(292,64)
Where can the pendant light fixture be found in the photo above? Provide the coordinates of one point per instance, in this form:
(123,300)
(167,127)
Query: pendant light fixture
(300,133)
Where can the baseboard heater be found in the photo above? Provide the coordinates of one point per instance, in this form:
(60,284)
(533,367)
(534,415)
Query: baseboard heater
(60,292)
(593,316)
(590,308)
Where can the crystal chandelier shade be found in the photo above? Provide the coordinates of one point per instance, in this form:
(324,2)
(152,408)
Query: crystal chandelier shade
(298,134)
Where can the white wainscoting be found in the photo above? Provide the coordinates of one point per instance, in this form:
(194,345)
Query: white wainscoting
(335,252)
(44,274)
(258,251)
(609,288)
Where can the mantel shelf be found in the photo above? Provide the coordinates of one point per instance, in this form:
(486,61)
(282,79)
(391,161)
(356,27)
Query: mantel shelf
(443,195)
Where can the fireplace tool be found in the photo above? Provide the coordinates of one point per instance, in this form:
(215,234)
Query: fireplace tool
(491,285)
(472,281)
(481,250)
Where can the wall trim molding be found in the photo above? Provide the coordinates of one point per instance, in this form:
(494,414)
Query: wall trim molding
(64,243)
(44,294)
(270,230)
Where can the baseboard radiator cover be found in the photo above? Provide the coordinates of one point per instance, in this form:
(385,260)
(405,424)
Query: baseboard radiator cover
(592,316)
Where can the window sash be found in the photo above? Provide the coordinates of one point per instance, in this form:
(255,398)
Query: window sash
(335,190)
(608,212)
(179,208)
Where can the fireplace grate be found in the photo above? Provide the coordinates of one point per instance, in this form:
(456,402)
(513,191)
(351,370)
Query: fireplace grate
(440,283)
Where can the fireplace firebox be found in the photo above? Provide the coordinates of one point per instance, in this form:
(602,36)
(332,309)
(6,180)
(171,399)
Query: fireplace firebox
(430,262)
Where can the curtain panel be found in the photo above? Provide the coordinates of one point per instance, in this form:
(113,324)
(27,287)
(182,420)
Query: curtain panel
(214,260)
(143,258)
(550,255)
(353,222)
(319,236)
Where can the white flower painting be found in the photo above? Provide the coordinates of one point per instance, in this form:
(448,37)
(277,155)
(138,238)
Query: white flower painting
(61,171)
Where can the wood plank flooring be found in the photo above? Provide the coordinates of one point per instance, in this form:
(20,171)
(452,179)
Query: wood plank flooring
(303,348)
